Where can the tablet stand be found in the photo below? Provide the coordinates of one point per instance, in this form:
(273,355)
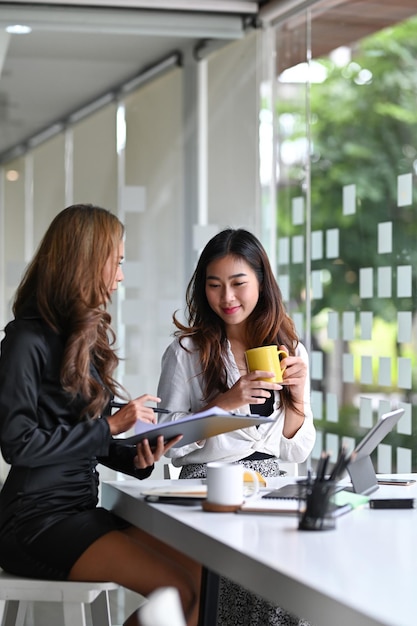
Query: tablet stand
(362,475)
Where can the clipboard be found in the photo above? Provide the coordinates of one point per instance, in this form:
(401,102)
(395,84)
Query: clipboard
(194,427)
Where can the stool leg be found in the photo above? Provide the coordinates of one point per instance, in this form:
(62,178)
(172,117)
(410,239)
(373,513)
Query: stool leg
(100,610)
(14,613)
(74,614)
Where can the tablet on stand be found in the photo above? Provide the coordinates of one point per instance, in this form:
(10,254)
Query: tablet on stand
(361,469)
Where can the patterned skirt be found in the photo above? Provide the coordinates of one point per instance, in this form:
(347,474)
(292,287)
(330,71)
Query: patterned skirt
(237,606)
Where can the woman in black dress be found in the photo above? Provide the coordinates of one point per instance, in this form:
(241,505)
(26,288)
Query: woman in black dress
(56,385)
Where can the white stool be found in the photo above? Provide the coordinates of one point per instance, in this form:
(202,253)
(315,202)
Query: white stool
(18,591)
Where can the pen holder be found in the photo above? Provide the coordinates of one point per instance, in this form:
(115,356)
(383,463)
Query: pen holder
(314,500)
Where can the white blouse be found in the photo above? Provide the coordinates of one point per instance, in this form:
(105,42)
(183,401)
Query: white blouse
(180,389)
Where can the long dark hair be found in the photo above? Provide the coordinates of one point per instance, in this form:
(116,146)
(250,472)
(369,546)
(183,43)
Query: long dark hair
(268,323)
(66,279)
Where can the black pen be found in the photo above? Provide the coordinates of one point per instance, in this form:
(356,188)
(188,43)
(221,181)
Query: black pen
(120,405)
(321,466)
(323,469)
(339,464)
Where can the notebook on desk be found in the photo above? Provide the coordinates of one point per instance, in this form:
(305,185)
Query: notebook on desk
(283,506)
(341,503)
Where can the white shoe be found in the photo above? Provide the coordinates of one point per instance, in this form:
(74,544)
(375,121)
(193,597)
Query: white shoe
(162,608)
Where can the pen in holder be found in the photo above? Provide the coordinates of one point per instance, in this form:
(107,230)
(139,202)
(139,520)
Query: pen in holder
(315,496)
(314,505)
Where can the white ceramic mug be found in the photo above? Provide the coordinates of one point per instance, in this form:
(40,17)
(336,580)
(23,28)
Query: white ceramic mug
(226,486)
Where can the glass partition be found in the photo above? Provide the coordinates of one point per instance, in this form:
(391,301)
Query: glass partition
(345,119)
(14,254)
(319,161)
(48,183)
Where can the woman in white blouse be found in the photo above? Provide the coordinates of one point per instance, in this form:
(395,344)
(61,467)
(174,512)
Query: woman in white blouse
(233,304)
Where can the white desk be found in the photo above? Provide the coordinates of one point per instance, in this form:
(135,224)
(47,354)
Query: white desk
(363,573)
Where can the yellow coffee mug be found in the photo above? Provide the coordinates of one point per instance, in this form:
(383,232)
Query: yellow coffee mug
(266,358)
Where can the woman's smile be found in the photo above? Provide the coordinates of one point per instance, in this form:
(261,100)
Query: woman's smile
(230,310)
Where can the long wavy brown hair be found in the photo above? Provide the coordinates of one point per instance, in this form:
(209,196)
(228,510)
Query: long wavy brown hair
(65,277)
(268,323)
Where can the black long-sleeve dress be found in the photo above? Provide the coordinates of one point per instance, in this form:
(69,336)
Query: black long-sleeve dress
(48,504)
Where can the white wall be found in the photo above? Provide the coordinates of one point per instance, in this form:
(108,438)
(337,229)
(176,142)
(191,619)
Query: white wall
(152,184)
